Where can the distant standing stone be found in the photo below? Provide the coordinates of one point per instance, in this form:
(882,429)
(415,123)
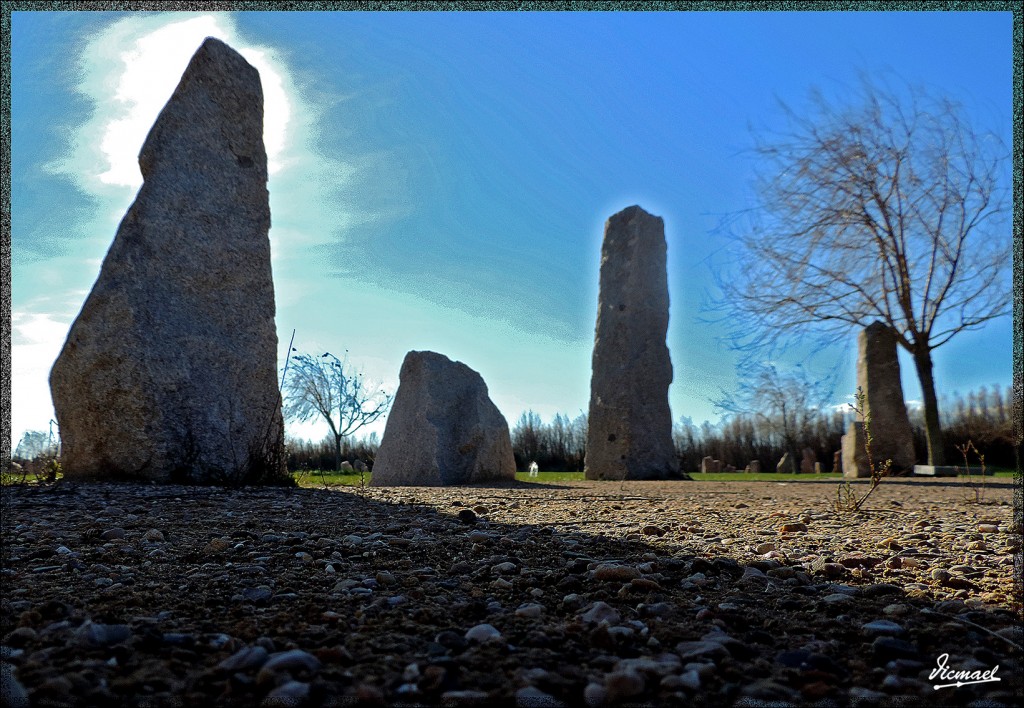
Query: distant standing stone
(878,376)
(630,425)
(707,465)
(837,462)
(807,461)
(169,372)
(785,465)
(755,466)
(443,428)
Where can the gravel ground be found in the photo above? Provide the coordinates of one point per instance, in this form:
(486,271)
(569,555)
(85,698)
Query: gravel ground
(582,593)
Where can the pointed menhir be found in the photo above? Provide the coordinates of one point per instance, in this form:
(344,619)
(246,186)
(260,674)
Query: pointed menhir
(630,425)
(878,377)
(169,371)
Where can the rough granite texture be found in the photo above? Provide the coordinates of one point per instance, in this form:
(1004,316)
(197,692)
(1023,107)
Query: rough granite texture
(443,428)
(878,377)
(169,371)
(630,424)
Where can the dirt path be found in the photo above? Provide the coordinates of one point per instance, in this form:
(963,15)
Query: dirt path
(723,593)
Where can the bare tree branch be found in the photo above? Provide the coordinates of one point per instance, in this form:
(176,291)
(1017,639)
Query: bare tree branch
(327,387)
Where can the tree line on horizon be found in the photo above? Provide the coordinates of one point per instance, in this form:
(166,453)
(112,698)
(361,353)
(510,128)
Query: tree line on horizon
(559,444)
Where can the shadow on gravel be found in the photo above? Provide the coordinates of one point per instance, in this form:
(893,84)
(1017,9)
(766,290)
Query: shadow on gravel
(141,595)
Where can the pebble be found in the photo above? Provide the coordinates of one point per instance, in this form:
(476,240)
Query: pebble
(765,548)
(600,612)
(217,545)
(703,648)
(882,627)
(652,530)
(154,536)
(244,659)
(483,633)
(615,572)
(622,685)
(988,528)
(114,534)
(296,659)
(505,568)
(531,610)
(793,528)
(287,695)
(885,649)
(258,594)
(467,516)
(103,634)
(837,598)
(594,694)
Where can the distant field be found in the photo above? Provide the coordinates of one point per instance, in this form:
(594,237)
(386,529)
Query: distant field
(316,478)
(331,479)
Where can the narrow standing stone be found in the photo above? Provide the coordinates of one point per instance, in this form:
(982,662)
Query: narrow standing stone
(878,376)
(630,425)
(169,373)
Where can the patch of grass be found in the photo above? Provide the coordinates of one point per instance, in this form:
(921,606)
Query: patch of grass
(317,479)
(549,477)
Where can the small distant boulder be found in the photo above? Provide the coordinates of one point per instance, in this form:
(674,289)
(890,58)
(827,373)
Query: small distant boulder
(443,428)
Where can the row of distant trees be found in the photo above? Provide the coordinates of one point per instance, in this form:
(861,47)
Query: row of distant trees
(559,444)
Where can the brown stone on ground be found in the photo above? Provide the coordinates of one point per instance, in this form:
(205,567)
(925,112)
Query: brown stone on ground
(807,461)
(878,377)
(755,466)
(630,424)
(443,428)
(169,373)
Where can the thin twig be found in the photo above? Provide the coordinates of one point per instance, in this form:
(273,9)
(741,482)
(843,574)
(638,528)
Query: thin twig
(1012,643)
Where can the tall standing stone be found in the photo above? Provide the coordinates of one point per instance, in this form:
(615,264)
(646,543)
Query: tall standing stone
(443,428)
(878,377)
(169,372)
(630,425)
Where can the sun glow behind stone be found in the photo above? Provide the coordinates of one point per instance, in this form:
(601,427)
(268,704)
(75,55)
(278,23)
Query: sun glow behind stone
(145,76)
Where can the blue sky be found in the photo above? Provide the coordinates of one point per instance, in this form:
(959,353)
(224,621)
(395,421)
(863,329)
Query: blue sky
(441,180)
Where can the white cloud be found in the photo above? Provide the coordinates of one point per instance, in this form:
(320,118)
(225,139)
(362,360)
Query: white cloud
(36,340)
(136,82)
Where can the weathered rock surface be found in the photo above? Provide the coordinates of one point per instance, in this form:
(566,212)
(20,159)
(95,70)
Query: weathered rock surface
(755,466)
(169,371)
(443,428)
(878,377)
(630,424)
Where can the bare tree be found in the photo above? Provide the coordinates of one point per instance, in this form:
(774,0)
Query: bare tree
(893,209)
(326,387)
(788,403)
